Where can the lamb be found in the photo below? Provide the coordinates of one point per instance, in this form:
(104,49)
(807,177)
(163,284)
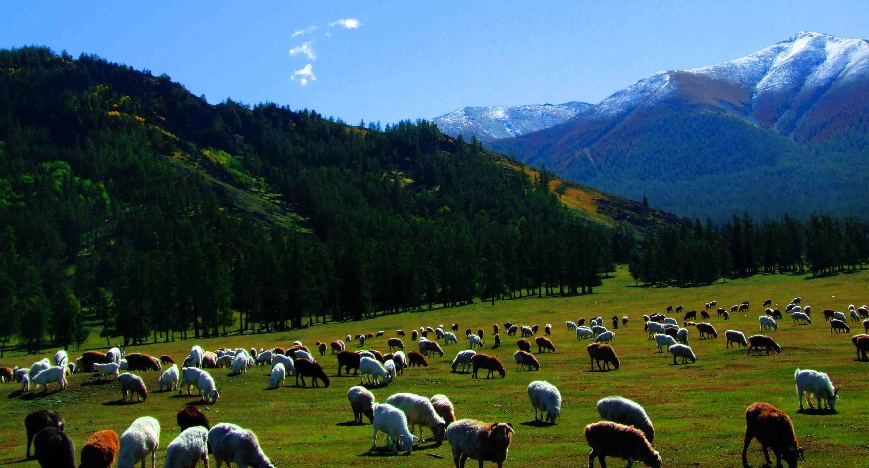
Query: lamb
(114,354)
(100,450)
(628,412)
(375,371)
(543,344)
(524,345)
(773,429)
(169,378)
(490,363)
(444,408)
(191,416)
(131,384)
(419,411)
(277,376)
(39,420)
(583,333)
(38,367)
(602,352)
(207,388)
(51,375)
(616,440)
(139,440)
(416,359)
(362,403)
(479,441)
(763,342)
(306,368)
(393,422)
(463,358)
(105,370)
(427,347)
(232,444)
(682,335)
(474,340)
(189,377)
(683,351)
(654,327)
(188,448)
(664,341)
(524,360)
(800,318)
(839,326)
(450,338)
(546,399)
(735,336)
(54,449)
(194,359)
(605,337)
(818,384)
(706,329)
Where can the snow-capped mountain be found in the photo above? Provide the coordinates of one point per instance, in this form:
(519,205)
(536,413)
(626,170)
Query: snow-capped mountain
(491,123)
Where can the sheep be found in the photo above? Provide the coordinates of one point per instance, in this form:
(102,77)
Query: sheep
(419,411)
(100,450)
(348,360)
(337,346)
(839,326)
(628,412)
(139,440)
(763,342)
(583,333)
(105,370)
(51,375)
(524,345)
(544,344)
(189,377)
(863,311)
(122,364)
(362,403)
(233,444)
(287,361)
(427,347)
(735,336)
(400,361)
(546,399)
(597,330)
(240,363)
(169,378)
(691,315)
(664,341)
(854,316)
(306,368)
(166,360)
(277,375)
(525,359)
(20,373)
(706,329)
(207,388)
(54,449)
(653,327)
(302,354)
(480,441)
(463,358)
(474,340)
(86,361)
(571,326)
(450,338)
(773,429)
(132,384)
(194,359)
(444,408)
(264,357)
(526,331)
(512,329)
(496,341)
(800,318)
(605,337)
(38,367)
(490,363)
(625,320)
(495,328)
(602,352)
(682,335)
(617,440)
(25,383)
(375,371)
(61,359)
(114,355)
(672,321)
(861,343)
(395,343)
(839,316)
(416,359)
(548,328)
(818,384)
(414,335)
(188,448)
(683,351)
(39,420)
(393,422)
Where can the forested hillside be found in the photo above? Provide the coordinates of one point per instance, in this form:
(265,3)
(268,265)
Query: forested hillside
(132,207)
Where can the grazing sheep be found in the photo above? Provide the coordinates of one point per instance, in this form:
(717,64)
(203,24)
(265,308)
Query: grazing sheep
(861,343)
(207,388)
(653,327)
(362,403)
(605,337)
(690,315)
(444,408)
(393,422)
(54,449)
(132,384)
(39,420)
(374,370)
(839,326)
(240,363)
(414,335)
(194,359)
(463,358)
(602,352)
(583,333)
(302,354)
(571,326)
(544,344)
(524,360)
(628,412)
(490,363)
(338,346)
(625,320)
(169,378)
(61,359)
(773,429)
(450,338)
(101,450)
(497,341)
(86,361)
(527,331)
(840,316)
(395,343)
(264,357)
(546,399)
(277,375)
(854,316)
(416,359)
(233,444)
(188,448)
(142,362)
(683,351)
(512,329)
(189,377)
(306,368)
(762,342)
(597,330)
(51,375)
(682,335)
(400,361)
(548,328)
(474,340)
(389,364)
(166,360)
(524,345)
(818,384)
(419,411)
(114,355)
(672,321)
(664,341)
(349,360)
(706,329)
(480,441)
(427,347)
(25,383)
(105,370)
(800,318)
(139,440)
(617,440)
(495,328)
(38,367)
(735,336)
(192,416)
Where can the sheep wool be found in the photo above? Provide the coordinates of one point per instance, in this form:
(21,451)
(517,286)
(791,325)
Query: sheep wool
(207,388)
(480,441)
(683,351)
(188,448)
(51,375)
(361,402)
(616,440)
(393,422)
(628,412)
(169,378)
(233,444)
(419,411)
(444,407)
(54,449)
(546,400)
(101,450)
(277,376)
(812,382)
(374,370)
(138,441)
(189,378)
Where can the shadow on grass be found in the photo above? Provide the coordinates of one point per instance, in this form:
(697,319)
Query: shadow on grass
(537,423)
(350,424)
(121,403)
(97,382)
(36,395)
(382,452)
(816,411)
(199,402)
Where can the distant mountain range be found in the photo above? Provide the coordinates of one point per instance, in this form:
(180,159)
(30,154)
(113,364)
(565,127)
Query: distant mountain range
(492,123)
(781,130)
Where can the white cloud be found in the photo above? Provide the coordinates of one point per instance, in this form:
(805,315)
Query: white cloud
(304,75)
(306,30)
(304,49)
(346,23)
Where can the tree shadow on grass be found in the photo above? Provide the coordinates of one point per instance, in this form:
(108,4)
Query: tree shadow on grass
(122,403)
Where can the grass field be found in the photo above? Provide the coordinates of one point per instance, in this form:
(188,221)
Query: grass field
(697,409)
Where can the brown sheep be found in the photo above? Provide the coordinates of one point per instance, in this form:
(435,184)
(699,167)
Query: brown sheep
(400,333)
(480,333)
(395,343)
(468,331)
(743,307)
(209,360)
(414,335)
(490,363)
(767,302)
(861,342)
(705,315)
(88,359)
(678,309)
(598,352)
(547,330)
(690,315)
(455,327)
(497,341)
(369,335)
(762,342)
(337,347)
(142,362)
(773,429)
(706,329)
(479,441)
(348,360)
(839,326)
(278,350)
(6,374)
(100,450)
(526,359)
(377,355)
(166,360)
(720,311)
(416,359)
(306,368)
(39,420)
(322,348)
(617,440)
(191,416)
(672,331)
(535,328)
(829,314)
(543,344)
(580,322)
(495,329)
(54,449)
(524,345)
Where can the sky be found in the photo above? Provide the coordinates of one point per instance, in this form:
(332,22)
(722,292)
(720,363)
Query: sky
(391,60)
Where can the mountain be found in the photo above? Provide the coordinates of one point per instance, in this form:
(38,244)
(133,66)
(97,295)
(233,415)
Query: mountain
(491,123)
(782,130)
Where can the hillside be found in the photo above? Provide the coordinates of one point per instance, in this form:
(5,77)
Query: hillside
(492,123)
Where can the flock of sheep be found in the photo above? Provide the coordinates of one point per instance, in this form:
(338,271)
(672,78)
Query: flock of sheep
(626,431)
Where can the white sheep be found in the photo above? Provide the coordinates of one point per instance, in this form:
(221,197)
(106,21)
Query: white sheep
(25,383)
(664,341)
(683,351)
(265,357)
(361,402)
(302,354)
(189,377)
(546,399)
(114,355)
(654,327)
(463,358)
(628,412)
(194,359)
(240,363)
(286,361)
(389,365)
(735,336)
(812,382)
(393,422)
(682,335)
(605,337)
(139,440)
(767,323)
(54,374)
(105,370)
(375,371)
(61,359)
(598,330)
(207,388)
(188,448)
(474,340)
(670,321)
(368,354)
(854,316)
(444,407)
(419,412)
(233,444)
(38,367)
(277,376)
(571,326)
(450,337)
(800,318)
(400,361)
(225,360)
(583,333)
(169,378)
(122,364)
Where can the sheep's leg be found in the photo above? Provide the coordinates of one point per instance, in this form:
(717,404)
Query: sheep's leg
(800,395)
(766,455)
(748,437)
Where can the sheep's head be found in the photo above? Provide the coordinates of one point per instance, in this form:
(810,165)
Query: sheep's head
(792,455)
(502,433)
(407,443)
(655,460)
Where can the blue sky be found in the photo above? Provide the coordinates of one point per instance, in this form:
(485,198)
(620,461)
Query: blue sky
(405,59)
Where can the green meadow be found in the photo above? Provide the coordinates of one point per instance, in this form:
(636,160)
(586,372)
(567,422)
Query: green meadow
(697,409)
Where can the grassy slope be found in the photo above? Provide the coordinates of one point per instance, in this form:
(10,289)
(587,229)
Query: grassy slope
(697,409)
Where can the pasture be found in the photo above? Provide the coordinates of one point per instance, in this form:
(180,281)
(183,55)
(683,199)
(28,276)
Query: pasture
(697,409)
